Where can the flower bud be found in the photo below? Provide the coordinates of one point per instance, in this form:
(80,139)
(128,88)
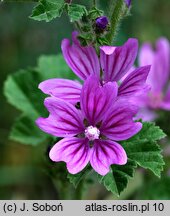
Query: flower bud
(102,22)
(128,3)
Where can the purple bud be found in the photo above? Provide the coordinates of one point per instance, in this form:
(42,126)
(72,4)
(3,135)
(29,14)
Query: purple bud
(102,22)
(128,2)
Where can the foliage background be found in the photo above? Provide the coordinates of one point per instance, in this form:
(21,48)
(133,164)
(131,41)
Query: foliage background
(22,41)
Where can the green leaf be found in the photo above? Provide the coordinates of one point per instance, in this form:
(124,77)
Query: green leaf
(117,179)
(102,41)
(52,66)
(95,13)
(21,90)
(144,149)
(76,12)
(47,10)
(85,39)
(75,179)
(25,131)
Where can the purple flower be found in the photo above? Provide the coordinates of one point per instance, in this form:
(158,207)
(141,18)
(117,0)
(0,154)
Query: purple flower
(158,78)
(114,63)
(102,22)
(128,2)
(90,133)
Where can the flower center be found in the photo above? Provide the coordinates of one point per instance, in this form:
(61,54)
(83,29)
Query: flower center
(92,133)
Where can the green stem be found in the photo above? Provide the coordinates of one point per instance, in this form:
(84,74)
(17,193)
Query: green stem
(94,3)
(115,19)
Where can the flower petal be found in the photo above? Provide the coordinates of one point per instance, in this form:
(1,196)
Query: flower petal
(162,61)
(159,60)
(64,119)
(105,153)
(96,99)
(146,115)
(116,61)
(67,90)
(118,123)
(166,101)
(129,71)
(74,151)
(82,60)
(135,82)
(146,55)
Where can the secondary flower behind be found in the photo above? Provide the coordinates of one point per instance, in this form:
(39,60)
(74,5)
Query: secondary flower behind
(158,79)
(91,132)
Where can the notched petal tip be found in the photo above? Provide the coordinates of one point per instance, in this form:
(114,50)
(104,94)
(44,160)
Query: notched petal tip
(133,40)
(138,128)
(122,160)
(40,86)
(47,85)
(72,169)
(106,153)
(103,172)
(65,43)
(52,155)
(50,101)
(39,121)
(73,151)
(67,90)
(74,37)
(132,43)
(108,50)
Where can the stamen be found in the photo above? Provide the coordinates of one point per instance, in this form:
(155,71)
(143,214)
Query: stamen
(92,133)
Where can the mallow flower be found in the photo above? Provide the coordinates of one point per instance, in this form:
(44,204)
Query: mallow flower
(91,133)
(159,78)
(112,65)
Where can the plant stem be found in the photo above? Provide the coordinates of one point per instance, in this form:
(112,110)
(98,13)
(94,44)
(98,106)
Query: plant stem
(94,3)
(115,19)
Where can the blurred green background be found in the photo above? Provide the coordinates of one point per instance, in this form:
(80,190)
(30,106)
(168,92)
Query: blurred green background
(22,41)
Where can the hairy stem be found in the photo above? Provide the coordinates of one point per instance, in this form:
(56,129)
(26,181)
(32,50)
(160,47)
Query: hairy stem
(115,19)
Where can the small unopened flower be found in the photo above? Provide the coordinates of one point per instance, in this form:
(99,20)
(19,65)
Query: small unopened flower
(128,2)
(102,22)
(158,78)
(90,134)
(114,63)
